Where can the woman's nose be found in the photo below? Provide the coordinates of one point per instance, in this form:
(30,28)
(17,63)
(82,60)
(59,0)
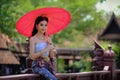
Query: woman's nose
(44,26)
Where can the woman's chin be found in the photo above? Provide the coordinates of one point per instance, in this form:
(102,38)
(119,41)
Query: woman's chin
(43,32)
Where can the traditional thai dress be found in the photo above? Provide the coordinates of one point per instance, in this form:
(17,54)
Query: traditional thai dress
(43,65)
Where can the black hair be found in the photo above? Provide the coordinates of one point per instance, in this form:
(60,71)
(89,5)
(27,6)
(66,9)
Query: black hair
(38,19)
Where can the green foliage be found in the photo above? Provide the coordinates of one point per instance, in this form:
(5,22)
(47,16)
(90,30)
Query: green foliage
(116,49)
(102,1)
(84,22)
(83,13)
(84,64)
(10,12)
(61,66)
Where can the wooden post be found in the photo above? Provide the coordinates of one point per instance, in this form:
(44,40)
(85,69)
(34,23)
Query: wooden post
(109,62)
(98,59)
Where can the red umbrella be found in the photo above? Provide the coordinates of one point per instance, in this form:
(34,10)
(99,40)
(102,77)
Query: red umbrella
(58,18)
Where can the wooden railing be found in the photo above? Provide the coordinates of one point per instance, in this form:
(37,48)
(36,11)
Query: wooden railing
(94,75)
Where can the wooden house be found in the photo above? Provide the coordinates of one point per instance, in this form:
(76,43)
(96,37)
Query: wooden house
(8,62)
(112,30)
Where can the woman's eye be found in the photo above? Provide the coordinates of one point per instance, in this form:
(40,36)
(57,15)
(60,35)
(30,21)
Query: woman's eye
(46,25)
(41,24)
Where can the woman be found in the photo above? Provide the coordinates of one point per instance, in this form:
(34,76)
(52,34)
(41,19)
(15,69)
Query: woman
(42,51)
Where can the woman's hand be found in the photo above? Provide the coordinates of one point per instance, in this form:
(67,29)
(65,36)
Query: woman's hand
(52,48)
(49,47)
(52,53)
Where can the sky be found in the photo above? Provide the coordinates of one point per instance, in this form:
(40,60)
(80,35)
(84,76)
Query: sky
(109,6)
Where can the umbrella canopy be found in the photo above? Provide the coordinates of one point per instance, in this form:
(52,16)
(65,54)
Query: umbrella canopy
(58,18)
(6,57)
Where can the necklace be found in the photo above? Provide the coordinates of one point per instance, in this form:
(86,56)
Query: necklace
(40,37)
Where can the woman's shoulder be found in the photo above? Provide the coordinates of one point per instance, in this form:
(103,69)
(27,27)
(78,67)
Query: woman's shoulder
(32,38)
(48,37)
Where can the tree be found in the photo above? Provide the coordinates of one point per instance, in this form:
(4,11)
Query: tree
(84,21)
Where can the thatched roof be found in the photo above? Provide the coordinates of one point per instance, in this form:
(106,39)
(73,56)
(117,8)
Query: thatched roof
(2,41)
(18,49)
(6,57)
(21,47)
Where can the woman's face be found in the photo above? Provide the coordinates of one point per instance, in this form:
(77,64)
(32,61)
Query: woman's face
(42,26)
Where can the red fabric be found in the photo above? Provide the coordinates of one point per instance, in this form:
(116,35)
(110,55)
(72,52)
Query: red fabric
(59,18)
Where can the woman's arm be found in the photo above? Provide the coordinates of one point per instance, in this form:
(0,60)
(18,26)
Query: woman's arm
(53,50)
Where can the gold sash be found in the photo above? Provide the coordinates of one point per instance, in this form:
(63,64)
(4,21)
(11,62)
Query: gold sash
(46,58)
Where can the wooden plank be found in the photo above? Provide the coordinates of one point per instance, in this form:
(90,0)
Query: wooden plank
(19,76)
